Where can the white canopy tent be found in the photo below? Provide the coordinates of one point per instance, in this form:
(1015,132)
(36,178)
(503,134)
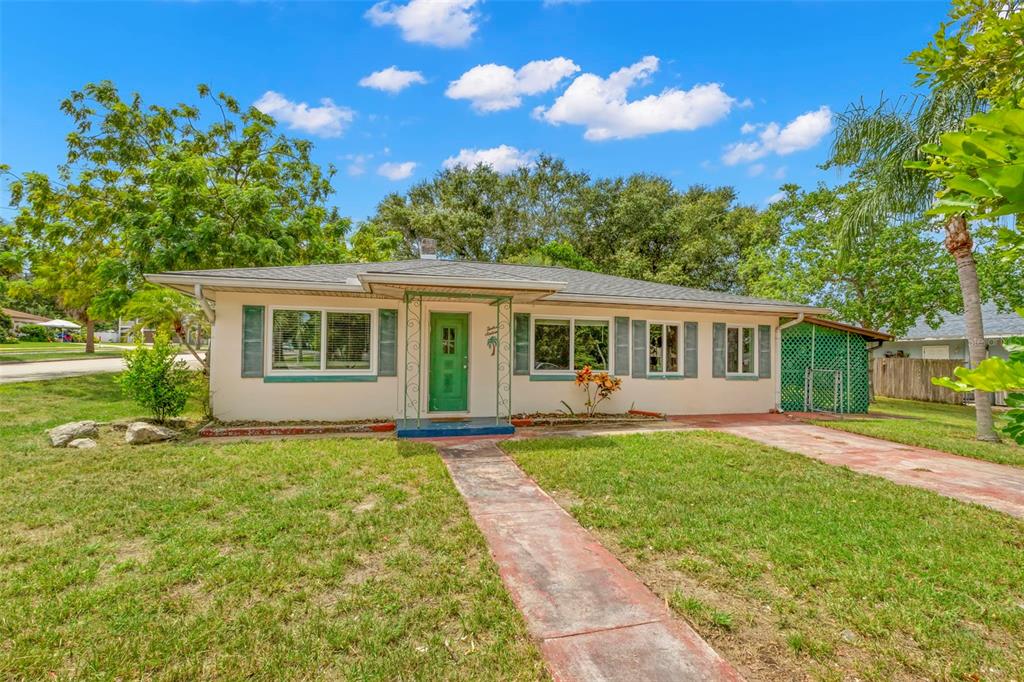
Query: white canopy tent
(60,324)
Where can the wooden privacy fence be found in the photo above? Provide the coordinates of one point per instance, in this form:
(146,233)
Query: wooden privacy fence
(910,378)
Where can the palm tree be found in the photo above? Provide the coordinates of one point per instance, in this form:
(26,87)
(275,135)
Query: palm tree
(876,143)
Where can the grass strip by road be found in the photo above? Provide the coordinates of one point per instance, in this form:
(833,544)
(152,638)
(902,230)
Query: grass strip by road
(949,428)
(334,558)
(795,569)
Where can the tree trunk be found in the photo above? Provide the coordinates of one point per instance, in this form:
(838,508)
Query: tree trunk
(961,247)
(90,325)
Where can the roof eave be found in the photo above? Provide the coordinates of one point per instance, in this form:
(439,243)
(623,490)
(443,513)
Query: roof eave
(176,279)
(783,308)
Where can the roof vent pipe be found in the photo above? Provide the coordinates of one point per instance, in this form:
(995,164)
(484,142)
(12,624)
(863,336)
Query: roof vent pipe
(428,249)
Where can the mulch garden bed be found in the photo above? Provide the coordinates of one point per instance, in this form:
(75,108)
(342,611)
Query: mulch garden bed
(563,419)
(251,428)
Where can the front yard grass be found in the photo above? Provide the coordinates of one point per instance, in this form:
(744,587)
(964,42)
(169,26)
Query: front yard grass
(332,558)
(792,568)
(949,428)
(38,351)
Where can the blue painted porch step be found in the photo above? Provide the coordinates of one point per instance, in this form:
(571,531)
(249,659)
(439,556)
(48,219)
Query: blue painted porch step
(441,428)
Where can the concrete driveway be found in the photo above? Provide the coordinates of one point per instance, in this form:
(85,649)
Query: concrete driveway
(57,369)
(998,486)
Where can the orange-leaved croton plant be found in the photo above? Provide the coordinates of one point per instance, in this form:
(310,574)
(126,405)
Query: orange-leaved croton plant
(599,387)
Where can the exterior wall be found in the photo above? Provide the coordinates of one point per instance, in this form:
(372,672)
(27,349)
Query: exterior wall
(236,398)
(957,348)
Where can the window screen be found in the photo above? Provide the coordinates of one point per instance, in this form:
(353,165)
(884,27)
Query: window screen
(348,340)
(590,345)
(739,350)
(551,339)
(296,339)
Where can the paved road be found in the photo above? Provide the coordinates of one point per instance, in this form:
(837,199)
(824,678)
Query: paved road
(57,369)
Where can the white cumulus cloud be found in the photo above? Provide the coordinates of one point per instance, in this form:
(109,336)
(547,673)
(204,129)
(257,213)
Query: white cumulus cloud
(602,106)
(493,87)
(396,170)
(502,158)
(326,120)
(392,79)
(442,23)
(803,132)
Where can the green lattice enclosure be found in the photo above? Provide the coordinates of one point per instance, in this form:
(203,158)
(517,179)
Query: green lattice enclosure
(824,369)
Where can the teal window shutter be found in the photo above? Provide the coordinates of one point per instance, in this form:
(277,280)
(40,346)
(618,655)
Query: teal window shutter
(639,349)
(521,362)
(387,342)
(252,340)
(690,356)
(718,349)
(764,351)
(622,346)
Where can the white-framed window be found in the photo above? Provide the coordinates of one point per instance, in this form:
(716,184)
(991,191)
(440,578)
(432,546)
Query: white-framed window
(565,344)
(740,350)
(327,340)
(664,348)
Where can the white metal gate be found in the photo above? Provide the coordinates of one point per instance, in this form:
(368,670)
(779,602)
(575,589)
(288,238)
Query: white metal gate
(823,390)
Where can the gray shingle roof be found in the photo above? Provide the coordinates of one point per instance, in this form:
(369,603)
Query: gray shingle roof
(952,327)
(578,282)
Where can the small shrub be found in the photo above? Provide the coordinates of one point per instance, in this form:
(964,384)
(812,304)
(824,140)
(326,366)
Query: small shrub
(35,332)
(599,387)
(156,380)
(6,328)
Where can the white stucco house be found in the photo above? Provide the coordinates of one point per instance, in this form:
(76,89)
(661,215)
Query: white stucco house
(429,341)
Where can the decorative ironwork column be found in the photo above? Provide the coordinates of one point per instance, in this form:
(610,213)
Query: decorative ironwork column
(503,355)
(413,355)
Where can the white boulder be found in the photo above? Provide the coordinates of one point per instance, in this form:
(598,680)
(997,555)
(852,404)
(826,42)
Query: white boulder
(61,435)
(140,433)
(82,443)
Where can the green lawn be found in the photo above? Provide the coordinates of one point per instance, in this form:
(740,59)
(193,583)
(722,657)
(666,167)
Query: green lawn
(333,558)
(38,351)
(932,425)
(792,568)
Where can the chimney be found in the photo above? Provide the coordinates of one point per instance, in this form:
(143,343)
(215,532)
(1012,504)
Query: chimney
(428,249)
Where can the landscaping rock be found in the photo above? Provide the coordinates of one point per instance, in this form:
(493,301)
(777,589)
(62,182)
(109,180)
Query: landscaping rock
(61,435)
(82,443)
(140,433)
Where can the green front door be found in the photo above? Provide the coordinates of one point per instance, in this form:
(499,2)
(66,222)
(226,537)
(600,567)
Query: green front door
(449,362)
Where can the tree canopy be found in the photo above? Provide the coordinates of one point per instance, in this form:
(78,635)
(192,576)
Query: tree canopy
(900,273)
(639,226)
(146,188)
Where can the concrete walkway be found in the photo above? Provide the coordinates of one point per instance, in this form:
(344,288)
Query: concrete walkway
(998,486)
(58,369)
(593,617)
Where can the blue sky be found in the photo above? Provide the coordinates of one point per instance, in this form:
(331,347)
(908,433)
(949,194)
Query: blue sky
(715,93)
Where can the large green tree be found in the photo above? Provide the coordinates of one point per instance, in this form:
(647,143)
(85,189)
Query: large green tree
(642,227)
(146,188)
(480,214)
(900,272)
(879,146)
(639,226)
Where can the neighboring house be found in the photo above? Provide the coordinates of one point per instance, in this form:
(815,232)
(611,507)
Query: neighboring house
(20,318)
(949,340)
(434,339)
(125,332)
